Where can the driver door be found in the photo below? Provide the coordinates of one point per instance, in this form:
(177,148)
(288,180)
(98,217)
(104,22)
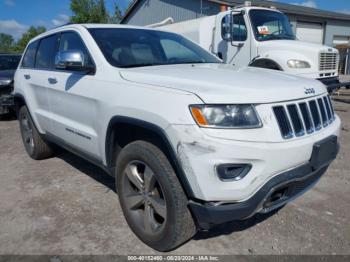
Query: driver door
(236,52)
(72,98)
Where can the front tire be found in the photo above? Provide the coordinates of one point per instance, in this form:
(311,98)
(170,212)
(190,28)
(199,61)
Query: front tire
(151,196)
(35,146)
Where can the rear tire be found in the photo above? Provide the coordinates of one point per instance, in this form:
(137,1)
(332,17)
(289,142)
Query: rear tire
(151,196)
(35,146)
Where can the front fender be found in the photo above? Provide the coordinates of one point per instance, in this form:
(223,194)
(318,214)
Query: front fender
(281,57)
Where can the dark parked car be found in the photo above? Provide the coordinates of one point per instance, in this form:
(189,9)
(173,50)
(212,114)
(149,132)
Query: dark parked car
(8,66)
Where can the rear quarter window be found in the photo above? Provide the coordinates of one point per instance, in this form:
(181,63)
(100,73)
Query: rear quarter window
(29,56)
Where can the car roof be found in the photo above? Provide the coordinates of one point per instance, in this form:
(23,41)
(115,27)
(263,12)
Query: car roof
(113,26)
(7,54)
(87,26)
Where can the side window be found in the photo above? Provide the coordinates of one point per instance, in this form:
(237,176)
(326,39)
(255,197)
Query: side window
(71,41)
(239,30)
(175,51)
(45,55)
(29,56)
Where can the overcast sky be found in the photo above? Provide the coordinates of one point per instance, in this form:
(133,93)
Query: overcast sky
(17,15)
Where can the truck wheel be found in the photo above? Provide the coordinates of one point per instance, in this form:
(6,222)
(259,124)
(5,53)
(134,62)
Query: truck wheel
(35,146)
(152,198)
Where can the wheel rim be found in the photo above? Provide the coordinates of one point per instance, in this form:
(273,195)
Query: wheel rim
(144,198)
(27,132)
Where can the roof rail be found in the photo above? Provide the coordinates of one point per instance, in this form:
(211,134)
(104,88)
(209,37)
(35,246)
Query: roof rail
(69,23)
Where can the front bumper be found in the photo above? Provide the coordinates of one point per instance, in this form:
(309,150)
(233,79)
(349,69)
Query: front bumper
(333,83)
(6,103)
(277,192)
(200,151)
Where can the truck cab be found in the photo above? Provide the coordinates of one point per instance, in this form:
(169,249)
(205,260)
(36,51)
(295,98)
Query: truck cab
(262,37)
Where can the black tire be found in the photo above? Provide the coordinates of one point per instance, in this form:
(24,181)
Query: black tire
(35,146)
(175,226)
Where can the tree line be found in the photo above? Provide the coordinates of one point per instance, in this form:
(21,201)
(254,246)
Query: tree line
(84,11)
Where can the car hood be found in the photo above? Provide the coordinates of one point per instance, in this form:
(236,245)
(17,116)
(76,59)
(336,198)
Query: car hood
(221,83)
(7,74)
(294,45)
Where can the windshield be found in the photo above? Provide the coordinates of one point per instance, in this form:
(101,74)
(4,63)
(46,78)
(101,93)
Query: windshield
(270,25)
(9,62)
(123,47)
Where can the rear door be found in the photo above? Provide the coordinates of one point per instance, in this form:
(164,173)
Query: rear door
(44,62)
(72,100)
(237,52)
(37,62)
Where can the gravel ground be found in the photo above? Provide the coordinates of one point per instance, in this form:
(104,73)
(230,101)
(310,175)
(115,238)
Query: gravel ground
(65,205)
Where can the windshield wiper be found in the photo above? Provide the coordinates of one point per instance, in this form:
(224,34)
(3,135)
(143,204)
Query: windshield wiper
(176,63)
(193,62)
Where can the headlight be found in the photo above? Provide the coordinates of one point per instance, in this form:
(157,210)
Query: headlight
(5,82)
(298,64)
(226,116)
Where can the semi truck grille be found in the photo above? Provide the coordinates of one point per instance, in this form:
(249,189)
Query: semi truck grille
(328,61)
(306,117)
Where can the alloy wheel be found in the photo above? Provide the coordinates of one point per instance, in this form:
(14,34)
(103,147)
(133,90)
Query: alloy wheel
(27,132)
(144,198)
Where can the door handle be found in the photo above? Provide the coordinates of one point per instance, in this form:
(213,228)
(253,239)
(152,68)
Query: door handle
(27,77)
(52,80)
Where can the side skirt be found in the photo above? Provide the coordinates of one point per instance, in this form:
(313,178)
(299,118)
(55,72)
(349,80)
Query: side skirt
(85,155)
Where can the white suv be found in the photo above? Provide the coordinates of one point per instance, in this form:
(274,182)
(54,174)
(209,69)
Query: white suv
(191,141)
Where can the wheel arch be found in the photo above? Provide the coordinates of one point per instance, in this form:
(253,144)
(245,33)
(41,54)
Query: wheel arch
(266,63)
(19,102)
(123,130)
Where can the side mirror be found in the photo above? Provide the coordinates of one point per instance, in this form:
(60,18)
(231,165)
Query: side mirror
(70,60)
(227,28)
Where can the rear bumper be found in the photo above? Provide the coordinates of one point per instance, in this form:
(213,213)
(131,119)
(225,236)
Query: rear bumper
(277,192)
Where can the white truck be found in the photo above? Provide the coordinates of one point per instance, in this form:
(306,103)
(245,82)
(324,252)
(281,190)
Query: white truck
(261,37)
(191,141)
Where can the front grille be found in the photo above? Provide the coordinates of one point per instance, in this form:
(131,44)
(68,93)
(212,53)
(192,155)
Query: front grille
(296,121)
(328,61)
(283,122)
(323,112)
(305,112)
(305,117)
(330,105)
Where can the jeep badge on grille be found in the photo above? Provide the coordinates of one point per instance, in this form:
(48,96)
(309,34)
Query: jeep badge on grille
(309,91)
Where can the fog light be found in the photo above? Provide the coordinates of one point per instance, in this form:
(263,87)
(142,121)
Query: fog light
(232,172)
